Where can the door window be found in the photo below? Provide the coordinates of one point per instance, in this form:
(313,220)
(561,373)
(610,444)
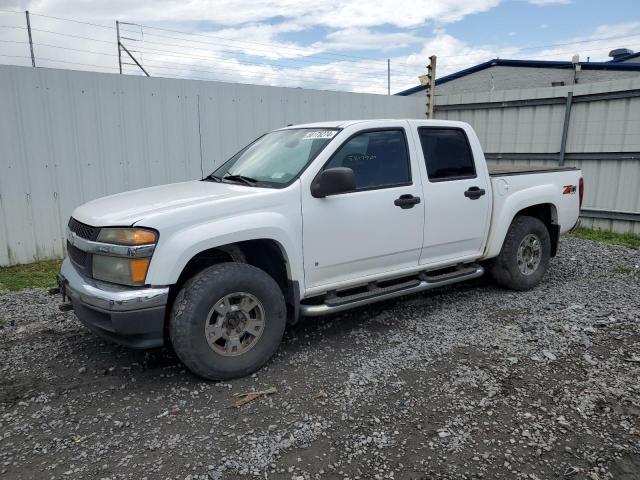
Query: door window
(378,159)
(447,154)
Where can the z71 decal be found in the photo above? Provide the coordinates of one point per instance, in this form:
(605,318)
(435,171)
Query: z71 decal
(569,189)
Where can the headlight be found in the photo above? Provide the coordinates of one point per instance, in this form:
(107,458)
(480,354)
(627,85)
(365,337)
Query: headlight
(120,269)
(127,236)
(125,271)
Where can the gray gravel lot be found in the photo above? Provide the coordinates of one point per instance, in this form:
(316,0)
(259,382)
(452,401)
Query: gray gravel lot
(465,382)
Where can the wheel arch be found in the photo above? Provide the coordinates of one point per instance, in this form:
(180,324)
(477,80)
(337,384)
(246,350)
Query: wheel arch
(266,254)
(547,214)
(543,208)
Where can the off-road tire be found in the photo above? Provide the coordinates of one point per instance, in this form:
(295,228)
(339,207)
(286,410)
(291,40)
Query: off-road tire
(504,268)
(191,308)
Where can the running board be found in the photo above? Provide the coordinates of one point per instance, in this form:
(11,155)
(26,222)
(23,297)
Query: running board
(427,282)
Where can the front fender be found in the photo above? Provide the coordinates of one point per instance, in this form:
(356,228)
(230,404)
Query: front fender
(175,249)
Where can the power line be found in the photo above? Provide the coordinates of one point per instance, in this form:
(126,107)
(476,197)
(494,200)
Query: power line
(75,63)
(240,69)
(303,59)
(75,49)
(189,67)
(270,46)
(14,56)
(239,74)
(71,20)
(82,37)
(311,77)
(252,42)
(110,42)
(256,82)
(170,53)
(576,42)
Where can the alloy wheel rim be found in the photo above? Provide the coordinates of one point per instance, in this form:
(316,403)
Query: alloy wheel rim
(529,254)
(234,324)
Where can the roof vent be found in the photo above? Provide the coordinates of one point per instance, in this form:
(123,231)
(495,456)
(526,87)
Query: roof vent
(619,53)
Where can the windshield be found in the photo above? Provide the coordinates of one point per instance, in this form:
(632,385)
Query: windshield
(277,157)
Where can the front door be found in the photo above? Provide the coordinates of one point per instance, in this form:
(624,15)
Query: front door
(361,233)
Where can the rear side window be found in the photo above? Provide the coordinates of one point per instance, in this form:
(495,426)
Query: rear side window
(378,159)
(447,154)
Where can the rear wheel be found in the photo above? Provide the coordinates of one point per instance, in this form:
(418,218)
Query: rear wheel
(227,321)
(525,255)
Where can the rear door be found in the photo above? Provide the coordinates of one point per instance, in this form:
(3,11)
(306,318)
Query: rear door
(457,196)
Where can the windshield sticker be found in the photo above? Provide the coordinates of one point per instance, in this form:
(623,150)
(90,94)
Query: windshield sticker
(320,134)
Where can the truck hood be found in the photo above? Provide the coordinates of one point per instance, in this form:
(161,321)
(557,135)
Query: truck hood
(128,208)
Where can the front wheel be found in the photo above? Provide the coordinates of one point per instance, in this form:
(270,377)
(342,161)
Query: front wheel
(227,321)
(525,255)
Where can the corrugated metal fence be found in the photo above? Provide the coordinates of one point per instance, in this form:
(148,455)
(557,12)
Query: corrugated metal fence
(67,137)
(595,127)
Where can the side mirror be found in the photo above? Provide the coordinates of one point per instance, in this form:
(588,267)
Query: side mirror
(333,181)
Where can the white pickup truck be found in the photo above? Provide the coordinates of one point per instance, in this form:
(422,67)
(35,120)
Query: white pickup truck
(308,220)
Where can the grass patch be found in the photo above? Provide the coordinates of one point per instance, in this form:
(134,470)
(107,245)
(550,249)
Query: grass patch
(622,270)
(31,275)
(624,239)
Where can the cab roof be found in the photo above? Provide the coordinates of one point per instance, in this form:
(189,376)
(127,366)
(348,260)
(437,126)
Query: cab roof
(348,123)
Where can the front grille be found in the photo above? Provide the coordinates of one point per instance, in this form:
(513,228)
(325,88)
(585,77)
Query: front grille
(83,230)
(82,261)
(76,255)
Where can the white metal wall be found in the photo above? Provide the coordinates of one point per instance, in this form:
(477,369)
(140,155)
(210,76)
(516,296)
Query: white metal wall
(67,137)
(595,127)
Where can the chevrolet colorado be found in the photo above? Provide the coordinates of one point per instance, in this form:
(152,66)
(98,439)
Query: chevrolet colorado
(308,220)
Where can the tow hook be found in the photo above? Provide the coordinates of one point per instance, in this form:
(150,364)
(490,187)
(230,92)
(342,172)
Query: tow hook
(65,307)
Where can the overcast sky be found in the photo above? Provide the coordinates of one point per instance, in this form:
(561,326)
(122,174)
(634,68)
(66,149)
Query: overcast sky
(329,44)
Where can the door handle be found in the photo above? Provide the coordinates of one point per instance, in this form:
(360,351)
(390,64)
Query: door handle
(406,201)
(474,193)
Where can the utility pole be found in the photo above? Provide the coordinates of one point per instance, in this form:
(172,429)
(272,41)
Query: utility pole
(575,61)
(429,82)
(119,49)
(388,76)
(33,58)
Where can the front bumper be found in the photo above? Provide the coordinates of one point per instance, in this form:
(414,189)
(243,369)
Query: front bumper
(133,317)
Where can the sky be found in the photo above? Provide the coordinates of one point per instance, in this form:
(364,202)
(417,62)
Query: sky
(325,44)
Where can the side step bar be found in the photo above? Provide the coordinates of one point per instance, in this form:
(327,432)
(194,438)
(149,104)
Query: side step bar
(427,282)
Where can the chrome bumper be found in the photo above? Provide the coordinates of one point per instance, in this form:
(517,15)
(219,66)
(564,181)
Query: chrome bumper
(106,296)
(134,317)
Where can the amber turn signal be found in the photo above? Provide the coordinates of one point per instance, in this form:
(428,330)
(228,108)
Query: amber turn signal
(139,267)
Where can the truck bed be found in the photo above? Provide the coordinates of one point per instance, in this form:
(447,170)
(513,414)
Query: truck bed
(503,170)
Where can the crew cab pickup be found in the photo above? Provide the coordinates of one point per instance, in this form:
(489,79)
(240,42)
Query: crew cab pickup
(308,220)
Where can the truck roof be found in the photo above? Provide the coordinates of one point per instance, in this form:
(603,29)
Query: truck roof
(347,123)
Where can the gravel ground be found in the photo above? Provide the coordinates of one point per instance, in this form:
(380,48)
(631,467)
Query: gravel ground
(465,382)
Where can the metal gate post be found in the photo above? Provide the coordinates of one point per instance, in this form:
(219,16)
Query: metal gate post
(33,58)
(119,49)
(565,129)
